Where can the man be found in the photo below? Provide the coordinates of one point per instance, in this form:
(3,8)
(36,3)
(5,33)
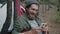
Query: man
(29,21)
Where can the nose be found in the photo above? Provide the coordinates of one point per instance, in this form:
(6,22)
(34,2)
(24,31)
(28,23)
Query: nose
(34,12)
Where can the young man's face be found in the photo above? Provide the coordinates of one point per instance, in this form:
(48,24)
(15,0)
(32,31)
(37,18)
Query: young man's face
(32,11)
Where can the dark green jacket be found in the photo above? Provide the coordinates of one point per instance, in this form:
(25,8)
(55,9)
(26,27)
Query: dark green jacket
(22,23)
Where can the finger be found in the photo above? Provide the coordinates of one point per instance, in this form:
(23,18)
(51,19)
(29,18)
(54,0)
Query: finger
(45,29)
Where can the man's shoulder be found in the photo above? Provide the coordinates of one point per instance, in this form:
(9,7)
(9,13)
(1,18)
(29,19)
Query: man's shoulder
(23,16)
(19,19)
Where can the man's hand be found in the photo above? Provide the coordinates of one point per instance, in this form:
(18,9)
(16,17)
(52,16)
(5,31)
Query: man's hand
(41,29)
(37,29)
(45,29)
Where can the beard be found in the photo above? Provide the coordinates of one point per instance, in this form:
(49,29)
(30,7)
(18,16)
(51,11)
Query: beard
(31,16)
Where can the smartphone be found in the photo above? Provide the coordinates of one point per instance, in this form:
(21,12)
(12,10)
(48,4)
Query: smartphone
(43,25)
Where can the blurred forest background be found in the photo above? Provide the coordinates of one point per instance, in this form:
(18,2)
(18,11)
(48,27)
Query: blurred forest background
(50,13)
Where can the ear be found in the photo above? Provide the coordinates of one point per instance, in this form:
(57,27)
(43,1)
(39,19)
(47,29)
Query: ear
(26,8)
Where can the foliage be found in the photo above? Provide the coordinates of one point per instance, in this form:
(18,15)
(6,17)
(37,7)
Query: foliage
(57,17)
(54,2)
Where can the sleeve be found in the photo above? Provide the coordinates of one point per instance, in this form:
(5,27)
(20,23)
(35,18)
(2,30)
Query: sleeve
(18,25)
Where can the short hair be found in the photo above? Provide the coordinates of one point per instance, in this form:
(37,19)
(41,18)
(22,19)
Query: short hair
(28,6)
(30,2)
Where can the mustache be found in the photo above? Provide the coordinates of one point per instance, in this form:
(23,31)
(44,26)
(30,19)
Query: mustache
(33,13)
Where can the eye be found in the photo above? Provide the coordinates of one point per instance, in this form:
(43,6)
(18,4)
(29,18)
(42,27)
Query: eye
(33,9)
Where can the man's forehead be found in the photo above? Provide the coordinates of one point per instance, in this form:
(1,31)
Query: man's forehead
(29,2)
(34,6)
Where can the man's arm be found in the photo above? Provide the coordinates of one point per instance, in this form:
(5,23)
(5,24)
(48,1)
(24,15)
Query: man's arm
(17,25)
(29,32)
